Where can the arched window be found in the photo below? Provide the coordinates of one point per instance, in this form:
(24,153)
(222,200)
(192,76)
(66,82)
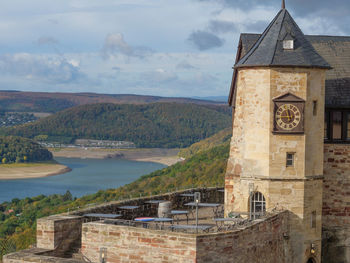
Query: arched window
(311,260)
(257,205)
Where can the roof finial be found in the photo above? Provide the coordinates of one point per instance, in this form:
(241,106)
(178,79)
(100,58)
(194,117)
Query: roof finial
(283,4)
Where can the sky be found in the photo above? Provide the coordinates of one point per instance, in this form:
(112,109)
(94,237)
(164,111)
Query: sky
(180,48)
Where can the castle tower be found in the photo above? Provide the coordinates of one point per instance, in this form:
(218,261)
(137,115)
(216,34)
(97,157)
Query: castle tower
(276,153)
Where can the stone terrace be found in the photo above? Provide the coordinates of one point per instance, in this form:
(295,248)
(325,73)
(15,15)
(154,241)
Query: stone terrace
(69,238)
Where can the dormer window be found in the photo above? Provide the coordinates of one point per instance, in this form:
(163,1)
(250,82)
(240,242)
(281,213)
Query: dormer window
(288,44)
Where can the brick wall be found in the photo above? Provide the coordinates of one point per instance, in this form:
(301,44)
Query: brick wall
(59,233)
(336,186)
(130,244)
(261,242)
(336,203)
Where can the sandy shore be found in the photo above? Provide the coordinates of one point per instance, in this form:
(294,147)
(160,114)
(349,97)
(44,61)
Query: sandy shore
(157,155)
(31,171)
(25,171)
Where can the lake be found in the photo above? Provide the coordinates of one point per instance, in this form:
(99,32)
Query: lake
(87,177)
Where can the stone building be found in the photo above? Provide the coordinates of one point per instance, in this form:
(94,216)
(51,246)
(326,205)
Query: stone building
(290,95)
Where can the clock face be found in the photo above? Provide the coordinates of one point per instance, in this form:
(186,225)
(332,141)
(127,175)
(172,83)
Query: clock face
(287,117)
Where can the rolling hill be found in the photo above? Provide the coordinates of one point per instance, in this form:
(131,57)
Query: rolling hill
(20,101)
(163,125)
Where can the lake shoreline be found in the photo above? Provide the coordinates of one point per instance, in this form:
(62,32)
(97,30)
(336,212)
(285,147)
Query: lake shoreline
(166,157)
(88,176)
(157,155)
(32,171)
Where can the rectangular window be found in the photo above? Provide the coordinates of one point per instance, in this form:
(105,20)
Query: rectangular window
(288,44)
(314,107)
(290,160)
(336,124)
(313,219)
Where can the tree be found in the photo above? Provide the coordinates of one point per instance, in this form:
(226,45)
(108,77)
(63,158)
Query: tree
(67,196)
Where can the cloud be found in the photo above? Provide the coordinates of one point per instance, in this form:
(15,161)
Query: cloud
(221,26)
(159,75)
(311,9)
(50,69)
(335,8)
(205,40)
(256,27)
(184,65)
(115,44)
(242,4)
(47,40)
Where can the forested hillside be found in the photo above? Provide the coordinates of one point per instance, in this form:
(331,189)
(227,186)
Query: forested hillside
(222,137)
(164,125)
(17,150)
(207,168)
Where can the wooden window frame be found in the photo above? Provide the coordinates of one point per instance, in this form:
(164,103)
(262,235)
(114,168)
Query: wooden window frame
(344,139)
(290,159)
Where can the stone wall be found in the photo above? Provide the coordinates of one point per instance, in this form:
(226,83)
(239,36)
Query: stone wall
(60,234)
(263,241)
(131,244)
(266,241)
(336,203)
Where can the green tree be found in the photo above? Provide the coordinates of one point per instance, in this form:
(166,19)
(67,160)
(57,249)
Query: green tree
(67,196)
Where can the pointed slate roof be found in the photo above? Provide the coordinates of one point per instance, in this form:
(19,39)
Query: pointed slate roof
(268,50)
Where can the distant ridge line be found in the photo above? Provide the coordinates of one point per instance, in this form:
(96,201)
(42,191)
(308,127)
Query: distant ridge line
(56,101)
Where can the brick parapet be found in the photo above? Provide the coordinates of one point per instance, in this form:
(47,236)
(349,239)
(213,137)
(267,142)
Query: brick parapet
(130,244)
(264,239)
(60,233)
